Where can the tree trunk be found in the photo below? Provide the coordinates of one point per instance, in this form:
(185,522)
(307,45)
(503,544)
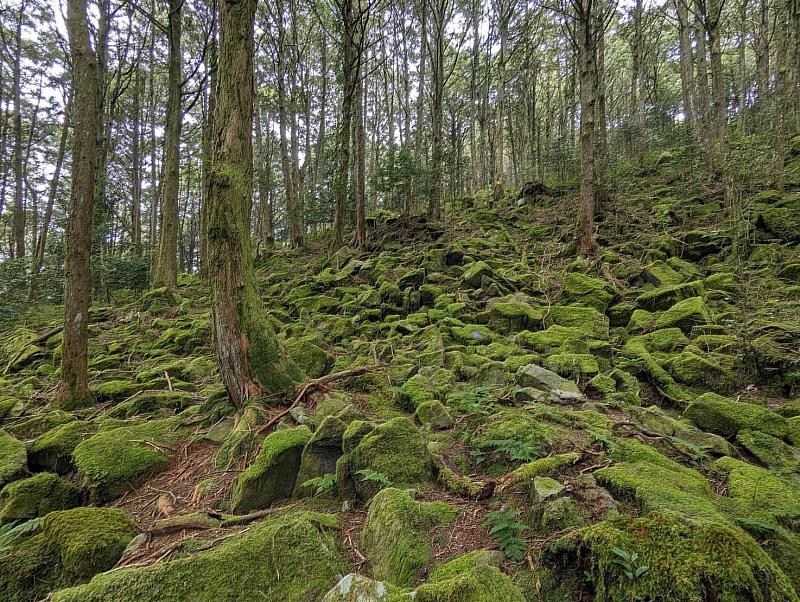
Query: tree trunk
(360,234)
(587,73)
(74,388)
(503,17)
(713,22)
(19,176)
(702,103)
(136,168)
(262,160)
(166,270)
(436,47)
(686,69)
(250,358)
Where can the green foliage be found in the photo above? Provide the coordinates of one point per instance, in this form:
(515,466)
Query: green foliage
(10,533)
(512,449)
(321,484)
(374,476)
(475,401)
(507,532)
(627,560)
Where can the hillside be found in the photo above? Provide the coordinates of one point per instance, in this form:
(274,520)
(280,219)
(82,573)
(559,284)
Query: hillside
(487,416)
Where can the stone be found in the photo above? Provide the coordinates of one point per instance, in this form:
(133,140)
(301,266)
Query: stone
(545,488)
(320,454)
(357,588)
(535,376)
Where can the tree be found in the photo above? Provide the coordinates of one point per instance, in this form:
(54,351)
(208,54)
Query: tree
(74,388)
(166,268)
(250,359)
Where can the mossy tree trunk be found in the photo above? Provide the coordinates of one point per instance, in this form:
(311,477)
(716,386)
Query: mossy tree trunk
(166,269)
(250,358)
(587,72)
(74,388)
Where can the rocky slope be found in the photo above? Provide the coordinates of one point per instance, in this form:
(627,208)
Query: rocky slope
(527,425)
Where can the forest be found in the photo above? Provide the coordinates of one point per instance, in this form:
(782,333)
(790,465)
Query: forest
(372,301)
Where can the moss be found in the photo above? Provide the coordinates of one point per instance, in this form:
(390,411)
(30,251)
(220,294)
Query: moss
(474,273)
(640,320)
(481,583)
(783,222)
(395,449)
(289,557)
(29,571)
(661,274)
(320,454)
(512,316)
(586,290)
(698,371)
(789,409)
(643,362)
(552,339)
(36,496)
(727,417)
(603,384)
(415,392)
(472,334)
(757,489)
(272,474)
(591,322)
(310,358)
(770,451)
(667,296)
(685,315)
(573,365)
(687,560)
(465,562)
(665,339)
(39,424)
(655,419)
(152,402)
(113,461)
(396,534)
(522,477)
(13,460)
(434,416)
(558,514)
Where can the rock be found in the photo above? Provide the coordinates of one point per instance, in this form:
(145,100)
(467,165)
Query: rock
(661,274)
(700,243)
(395,449)
(574,365)
(685,315)
(52,451)
(698,371)
(13,461)
(273,474)
(773,452)
(654,419)
(536,376)
(592,323)
(36,496)
(545,488)
(472,334)
(357,588)
(727,417)
(290,557)
(559,514)
(474,273)
(667,296)
(396,534)
(71,546)
(434,416)
(586,290)
(311,359)
(320,454)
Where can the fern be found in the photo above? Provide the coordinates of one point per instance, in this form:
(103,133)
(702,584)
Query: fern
(321,484)
(507,532)
(476,401)
(376,477)
(9,533)
(513,449)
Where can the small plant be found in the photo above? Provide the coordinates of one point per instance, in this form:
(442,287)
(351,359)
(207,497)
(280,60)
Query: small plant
(507,532)
(374,476)
(10,532)
(627,561)
(321,484)
(513,449)
(475,401)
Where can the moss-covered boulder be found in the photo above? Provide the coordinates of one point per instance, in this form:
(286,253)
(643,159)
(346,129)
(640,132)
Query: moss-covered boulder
(655,419)
(273,474)
(474,274)
(770,450)
(113,461)
(586,290)
(291,557)
(53,450)
(685,315)
(396,535)
(678,559)
(588,320)
(36,496)
(459,581)
(13,460)
(667,296)
(433,416)
(320,454)
(727,417)
(309,357)
(397,450)
(559,387)
(71,547)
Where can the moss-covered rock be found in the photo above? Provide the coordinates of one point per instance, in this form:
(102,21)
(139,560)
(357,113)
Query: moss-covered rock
(588,320)
(396,535)
(686,560)
(759,490)
(727,417)
(395,449)
(113,461)
(586,290)
(290,557)
(434,416)
(685,315)
(573,365)
(478,583)
(700,371)
(320,454)
(13,460)
(655,419)
(667,296)
(474,274)
(36,496)
(273,474)
(538,377)
(310,358)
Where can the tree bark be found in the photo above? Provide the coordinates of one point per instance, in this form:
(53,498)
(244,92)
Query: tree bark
(74,388)
(250,358)
(587,73)
(19,176)
(166,269)
(438,9)
(686,68)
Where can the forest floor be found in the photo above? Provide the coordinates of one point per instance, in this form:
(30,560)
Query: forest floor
(532,426)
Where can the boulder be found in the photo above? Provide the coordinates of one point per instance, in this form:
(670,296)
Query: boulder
(320,454)
(273,474)
(36,496)
(535,376)
(13,460)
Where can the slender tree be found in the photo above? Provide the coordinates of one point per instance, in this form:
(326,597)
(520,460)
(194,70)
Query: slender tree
(74,388)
